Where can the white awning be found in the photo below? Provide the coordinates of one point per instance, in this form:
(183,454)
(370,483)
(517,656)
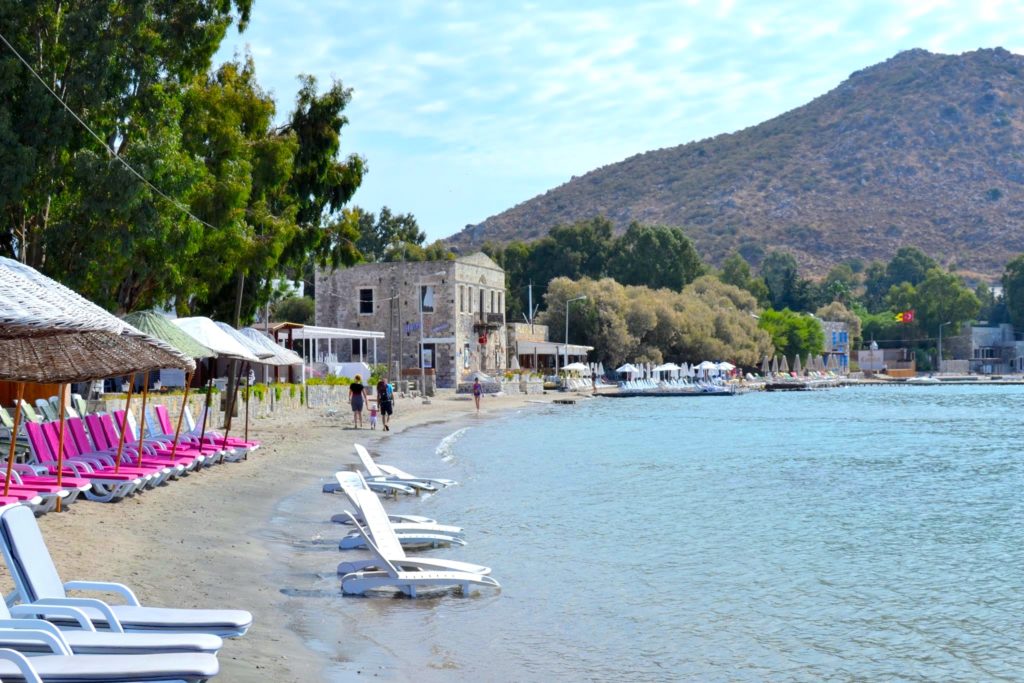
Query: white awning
(547,348)
(316,332)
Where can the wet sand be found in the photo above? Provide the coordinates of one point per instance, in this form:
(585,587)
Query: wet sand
(204,541)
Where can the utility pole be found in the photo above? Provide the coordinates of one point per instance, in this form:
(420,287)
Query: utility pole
(530,309)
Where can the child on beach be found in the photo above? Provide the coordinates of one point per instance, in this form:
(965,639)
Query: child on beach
(373,413)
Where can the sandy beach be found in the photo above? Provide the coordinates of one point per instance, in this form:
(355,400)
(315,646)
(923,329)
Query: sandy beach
(205,541)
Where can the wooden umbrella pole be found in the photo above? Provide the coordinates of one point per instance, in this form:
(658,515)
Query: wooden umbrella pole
(181,415)
(124,426)
(142,422)
(14,438)
(60,442)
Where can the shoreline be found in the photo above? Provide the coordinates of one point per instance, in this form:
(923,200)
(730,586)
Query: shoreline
(208,540)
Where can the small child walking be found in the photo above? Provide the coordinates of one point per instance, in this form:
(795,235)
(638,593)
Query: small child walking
(373,414)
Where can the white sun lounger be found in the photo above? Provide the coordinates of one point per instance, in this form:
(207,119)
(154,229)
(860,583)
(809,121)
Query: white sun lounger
(64,667)
(377,472)
(85,639)
(408,581)
(387,543)
(410,534)
(37,582)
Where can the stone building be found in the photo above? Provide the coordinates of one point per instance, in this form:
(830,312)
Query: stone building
(461,304)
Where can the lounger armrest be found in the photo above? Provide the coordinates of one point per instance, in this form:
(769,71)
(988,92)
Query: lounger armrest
(24,666)
(32,625)
(105,587)
(33,612)
(98,605)
(38,636)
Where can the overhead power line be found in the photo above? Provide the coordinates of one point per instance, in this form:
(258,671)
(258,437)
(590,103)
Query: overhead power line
(131,169)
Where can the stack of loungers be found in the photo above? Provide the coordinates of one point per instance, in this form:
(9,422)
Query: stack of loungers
(387,537)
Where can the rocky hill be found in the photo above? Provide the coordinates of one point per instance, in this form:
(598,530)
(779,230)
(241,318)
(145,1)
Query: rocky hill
(923,149)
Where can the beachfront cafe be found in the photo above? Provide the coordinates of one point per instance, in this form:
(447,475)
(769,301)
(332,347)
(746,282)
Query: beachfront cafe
(317,344)
(548,356)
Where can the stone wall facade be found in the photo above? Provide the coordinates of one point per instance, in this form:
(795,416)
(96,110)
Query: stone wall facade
(463,314)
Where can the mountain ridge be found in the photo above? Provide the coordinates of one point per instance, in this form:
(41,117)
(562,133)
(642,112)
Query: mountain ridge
(922,150)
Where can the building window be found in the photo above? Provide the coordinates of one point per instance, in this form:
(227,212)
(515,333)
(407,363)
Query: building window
(427,299)
(360,349)
(462,298)
(501,302)
(493,309)
(470,300)
(481,300)
(366,302)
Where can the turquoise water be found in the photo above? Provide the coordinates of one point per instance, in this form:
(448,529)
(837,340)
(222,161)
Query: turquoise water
(858,534)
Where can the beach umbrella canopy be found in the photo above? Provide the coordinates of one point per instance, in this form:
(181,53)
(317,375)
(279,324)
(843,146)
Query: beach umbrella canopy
(628,368)
(766,365)
(707,365)
(600,368)
(51,334)
(281,357)
(726,366)
(160,327)
(207,333)
(261,352)
(666,367)
(785,365)
(796,366)
(575,367)
(514,365)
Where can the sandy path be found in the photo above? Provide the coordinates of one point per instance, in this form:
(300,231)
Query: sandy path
(202,541)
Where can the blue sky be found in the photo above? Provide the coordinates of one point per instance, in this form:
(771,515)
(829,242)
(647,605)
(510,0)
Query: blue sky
(464,109)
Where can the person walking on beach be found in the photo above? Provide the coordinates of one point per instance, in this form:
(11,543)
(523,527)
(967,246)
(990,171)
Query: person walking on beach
(384,402)
(373,414)
(477,391)
(356,392)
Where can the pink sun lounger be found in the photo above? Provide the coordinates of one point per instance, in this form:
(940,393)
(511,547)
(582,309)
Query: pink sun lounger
(105,486)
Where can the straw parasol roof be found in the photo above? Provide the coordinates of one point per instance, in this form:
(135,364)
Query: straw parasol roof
(156,325)
(51,334)
(282,356)
(217,340)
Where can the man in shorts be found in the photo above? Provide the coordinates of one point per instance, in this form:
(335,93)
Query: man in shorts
(385,401)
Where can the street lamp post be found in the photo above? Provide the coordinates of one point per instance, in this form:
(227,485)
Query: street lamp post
(941,325)
(423,369)
(567,302)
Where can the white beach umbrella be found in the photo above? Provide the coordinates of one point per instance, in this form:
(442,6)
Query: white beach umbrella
(766,365)
(797,367)
(726,366)
(785,366)
(214,338)
(626,368)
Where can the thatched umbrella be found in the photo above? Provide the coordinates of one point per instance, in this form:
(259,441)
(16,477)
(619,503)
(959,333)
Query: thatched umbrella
(50,334)
(257,349)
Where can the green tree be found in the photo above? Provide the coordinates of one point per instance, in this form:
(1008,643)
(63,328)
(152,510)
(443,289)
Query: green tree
(654,256)
(942,297)
(780,274)
(876,286)
(387,232)
(1013,290)
(736,271)
(296,309)
(793,334)
(910,264)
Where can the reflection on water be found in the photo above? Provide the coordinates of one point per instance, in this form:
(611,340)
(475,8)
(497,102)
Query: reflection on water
(856,534)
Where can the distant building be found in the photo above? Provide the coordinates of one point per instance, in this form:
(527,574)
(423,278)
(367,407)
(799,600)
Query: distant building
(534,352)
(896,362)
(837,344)
(463,311)
(994,349)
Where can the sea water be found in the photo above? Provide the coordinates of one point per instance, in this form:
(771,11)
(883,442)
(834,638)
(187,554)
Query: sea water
(857,534)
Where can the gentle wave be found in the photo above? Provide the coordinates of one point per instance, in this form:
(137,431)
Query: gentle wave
(446,449)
